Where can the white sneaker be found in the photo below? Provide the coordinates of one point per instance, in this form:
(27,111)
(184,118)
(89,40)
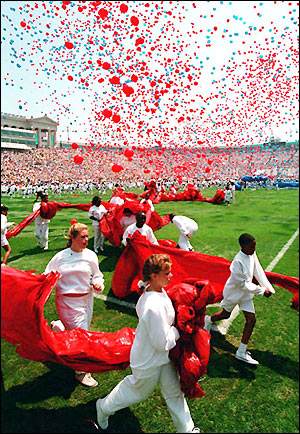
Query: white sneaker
(246,357)
(86,379)
(218,329)
(102,419)
(207,323)
(196,429)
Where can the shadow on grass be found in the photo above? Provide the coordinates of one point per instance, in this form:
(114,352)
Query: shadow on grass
(118,306)
(231,367)
(79,419)
(29,252)
(111,256)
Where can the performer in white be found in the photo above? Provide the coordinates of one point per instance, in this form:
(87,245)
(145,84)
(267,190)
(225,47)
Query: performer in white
(79,277)
(187,227)
(96,212)
(140,226)
(149,356)
(4,226)
(240,290)
(41,226)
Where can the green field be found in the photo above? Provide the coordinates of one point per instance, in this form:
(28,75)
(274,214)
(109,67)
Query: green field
(44,398)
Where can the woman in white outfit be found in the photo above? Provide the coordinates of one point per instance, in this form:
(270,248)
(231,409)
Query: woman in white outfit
(79,277)
(41,225)
(149,357)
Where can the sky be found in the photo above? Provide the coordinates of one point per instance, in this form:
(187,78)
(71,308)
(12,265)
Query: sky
(171,73)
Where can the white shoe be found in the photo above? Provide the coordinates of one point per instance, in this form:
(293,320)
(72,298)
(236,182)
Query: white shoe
(86,379)
(218,329)
(195,429)
(102,419)
(207,323)
(246,357)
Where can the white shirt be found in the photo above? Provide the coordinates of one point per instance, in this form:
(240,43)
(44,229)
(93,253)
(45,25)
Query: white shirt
(97,212)
(78,271)
(144,230)
(39,220)
(185,224)
(155,334)
(239,285)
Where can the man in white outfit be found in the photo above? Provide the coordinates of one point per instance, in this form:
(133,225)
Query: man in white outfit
(96,212)
(41,224)
(187,227)
(149,357)
(240,290)
(140,226)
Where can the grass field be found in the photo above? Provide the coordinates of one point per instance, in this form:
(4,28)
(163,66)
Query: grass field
(44,398)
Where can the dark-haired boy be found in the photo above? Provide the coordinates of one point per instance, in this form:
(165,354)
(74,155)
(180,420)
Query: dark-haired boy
(240,290)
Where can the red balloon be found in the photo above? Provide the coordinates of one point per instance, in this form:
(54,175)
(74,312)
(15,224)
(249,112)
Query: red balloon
(70,78)
(78,159)
(134,21)
(116,118)
(107,113)
(128,153)
(69,45)
(74,146)
(103,13)
(123,8)
(117,168)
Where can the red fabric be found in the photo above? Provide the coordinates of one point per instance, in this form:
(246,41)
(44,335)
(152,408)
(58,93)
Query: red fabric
(19,227)
(191,267)
(191,193)
(23,296)
(48,210)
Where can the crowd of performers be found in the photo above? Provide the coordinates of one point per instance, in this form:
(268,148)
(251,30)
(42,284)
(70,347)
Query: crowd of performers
(171,344)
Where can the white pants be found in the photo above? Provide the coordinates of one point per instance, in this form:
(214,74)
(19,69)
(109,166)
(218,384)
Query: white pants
(42,234)
(135,388)
(98,238)
(184,243)
(75,311)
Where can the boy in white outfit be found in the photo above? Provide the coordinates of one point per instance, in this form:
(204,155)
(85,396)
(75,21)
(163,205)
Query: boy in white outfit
(140,226)
(186,227)
(41,225)
(4,227)
(149,356)
(96,212)
(240,290)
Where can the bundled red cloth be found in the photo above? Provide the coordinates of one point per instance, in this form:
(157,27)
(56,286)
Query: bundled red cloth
(23,296)
(187,267)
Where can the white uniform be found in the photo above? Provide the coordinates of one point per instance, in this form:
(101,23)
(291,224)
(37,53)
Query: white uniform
(150,363)
(186,227)
(239,288)
(97,212)
(41,228)
(144,230)
(78,271)
(116,200)
(4,226)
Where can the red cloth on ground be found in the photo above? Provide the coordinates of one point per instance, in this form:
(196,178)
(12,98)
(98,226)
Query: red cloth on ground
(187,267)
(23,296)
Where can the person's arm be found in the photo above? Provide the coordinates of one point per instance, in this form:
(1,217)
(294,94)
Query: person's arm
(125,236)
(163,337)
(260,275)
(97,276)
(244,281)
(52,265)
(151,237)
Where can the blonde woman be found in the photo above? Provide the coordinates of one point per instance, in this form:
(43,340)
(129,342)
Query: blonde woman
(149,357)
(79,277)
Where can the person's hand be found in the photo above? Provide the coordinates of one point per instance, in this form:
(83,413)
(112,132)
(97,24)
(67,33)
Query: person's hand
(267,293)
(128,241)
(97,287)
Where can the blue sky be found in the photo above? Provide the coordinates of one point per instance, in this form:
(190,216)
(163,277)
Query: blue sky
(210,37)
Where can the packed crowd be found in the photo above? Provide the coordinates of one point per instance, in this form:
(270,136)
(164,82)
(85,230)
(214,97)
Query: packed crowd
(58,171)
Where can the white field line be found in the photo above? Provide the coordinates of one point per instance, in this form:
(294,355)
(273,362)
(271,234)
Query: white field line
(282,252)
(270,267)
